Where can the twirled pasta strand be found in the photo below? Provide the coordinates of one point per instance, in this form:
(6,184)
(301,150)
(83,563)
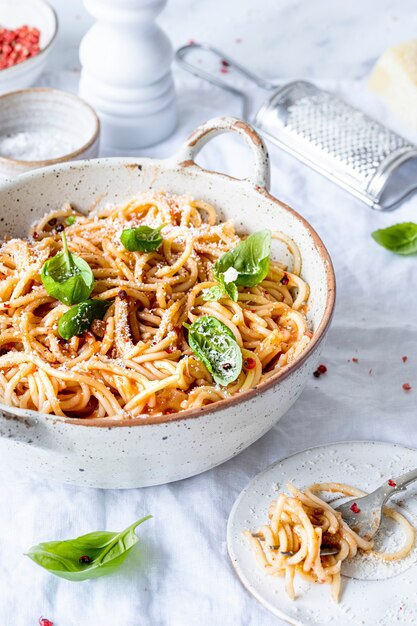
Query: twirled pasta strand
(300,523)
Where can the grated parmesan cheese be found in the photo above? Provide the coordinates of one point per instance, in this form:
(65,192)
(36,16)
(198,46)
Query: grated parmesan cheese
(230,275)
(34,145)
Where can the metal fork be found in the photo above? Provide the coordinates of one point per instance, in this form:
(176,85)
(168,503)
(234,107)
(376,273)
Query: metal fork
(363,514)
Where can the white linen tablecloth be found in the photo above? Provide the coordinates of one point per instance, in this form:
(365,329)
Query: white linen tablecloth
(180,575)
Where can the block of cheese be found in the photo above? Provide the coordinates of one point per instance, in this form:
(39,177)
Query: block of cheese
(394,78)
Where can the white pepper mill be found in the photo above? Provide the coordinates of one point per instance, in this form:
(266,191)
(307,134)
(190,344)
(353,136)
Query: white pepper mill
(126,74)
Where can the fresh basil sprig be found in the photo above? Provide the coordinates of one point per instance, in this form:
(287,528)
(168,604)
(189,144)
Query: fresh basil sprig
(78,319)
(89,556)
(221,289)
(399,238)
(67,277)
(215,345)
(249,262)
(142,239)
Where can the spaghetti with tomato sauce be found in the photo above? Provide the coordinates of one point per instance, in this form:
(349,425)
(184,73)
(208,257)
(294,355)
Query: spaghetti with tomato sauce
(301,524)
(135,359)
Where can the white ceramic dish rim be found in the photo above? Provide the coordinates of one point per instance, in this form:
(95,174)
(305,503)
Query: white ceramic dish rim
(8,71)
(239,573)
(258,182)
(65,157)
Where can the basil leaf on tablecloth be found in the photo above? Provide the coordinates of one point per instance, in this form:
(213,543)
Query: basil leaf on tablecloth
(89,556)
(399,238)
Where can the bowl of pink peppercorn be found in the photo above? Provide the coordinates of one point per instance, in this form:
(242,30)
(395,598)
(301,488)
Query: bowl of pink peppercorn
(28,30)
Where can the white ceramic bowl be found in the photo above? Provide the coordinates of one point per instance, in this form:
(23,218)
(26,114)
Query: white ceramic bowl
(150,450)
(65,117)
(38,13)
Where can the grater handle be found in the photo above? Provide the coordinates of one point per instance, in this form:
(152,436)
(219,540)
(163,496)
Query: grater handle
(183,53)
(217,126)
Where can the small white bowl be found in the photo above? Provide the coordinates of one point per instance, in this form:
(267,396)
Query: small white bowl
(38,13)
(63,119)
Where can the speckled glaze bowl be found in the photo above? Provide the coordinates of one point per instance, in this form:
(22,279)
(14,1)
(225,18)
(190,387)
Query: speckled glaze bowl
(63,115)
(142,451)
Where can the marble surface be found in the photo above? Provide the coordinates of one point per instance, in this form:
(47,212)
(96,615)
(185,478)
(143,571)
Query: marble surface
(278,38)
(182,575)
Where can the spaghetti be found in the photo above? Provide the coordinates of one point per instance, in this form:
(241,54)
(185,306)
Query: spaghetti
(301,524)
(136,361)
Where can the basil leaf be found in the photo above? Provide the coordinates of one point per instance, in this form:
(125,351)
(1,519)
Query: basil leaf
(399,238)
(142,239)
(232,291)
(102,552)
(71,219)
(215,345)
(246,265)
(67,277)
(220,291)
(214,293)
(250,259)
(78,319)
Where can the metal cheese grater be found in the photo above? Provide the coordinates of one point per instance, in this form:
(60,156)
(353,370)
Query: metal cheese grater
(325,132)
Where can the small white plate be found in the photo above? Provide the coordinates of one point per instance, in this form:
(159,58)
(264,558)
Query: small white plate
(363,602)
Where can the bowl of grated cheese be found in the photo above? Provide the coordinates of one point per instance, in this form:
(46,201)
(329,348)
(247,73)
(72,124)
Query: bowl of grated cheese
(43,126)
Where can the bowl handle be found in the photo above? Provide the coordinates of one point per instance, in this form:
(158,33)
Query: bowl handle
(217,126)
